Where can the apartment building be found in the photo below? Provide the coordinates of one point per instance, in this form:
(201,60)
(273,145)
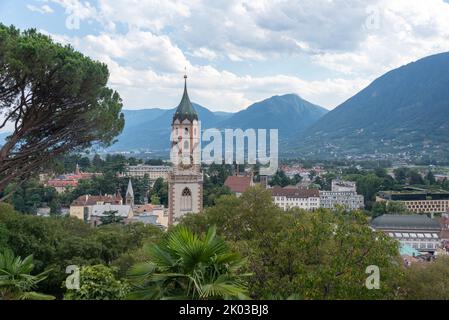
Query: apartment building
(343,193)
(288,198)
(153,172)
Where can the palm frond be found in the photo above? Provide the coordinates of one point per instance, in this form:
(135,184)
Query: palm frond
(35,296)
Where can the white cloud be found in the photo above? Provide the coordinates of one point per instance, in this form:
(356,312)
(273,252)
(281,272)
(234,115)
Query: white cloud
(407,30)
(205,53)
(44,9)
(147,71)
(156,39)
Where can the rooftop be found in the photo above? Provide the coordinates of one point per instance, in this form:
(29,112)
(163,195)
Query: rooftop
(88,200)
(185,110)
(295,193)
(238,184)
(418,195)
(405,222)
(121,210)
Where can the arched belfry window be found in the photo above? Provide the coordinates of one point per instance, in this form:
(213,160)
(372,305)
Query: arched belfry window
(186,200)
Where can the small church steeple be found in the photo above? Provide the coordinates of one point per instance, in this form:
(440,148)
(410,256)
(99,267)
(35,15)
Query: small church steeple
(130,194)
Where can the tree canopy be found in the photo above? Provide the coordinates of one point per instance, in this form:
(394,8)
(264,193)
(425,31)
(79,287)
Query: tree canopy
(55,99)
(319,255)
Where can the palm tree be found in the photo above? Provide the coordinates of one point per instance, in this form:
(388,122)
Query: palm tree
(16,282)
(186,266)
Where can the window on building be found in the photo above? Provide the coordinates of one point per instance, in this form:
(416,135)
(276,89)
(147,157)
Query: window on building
(186,200)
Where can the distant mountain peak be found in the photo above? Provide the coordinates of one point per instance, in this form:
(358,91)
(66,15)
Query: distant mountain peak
(403,111)
(150,129)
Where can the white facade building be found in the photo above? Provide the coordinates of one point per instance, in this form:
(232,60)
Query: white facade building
(417,231)
(153,172)
(289,198)
(343,193)
(349,200)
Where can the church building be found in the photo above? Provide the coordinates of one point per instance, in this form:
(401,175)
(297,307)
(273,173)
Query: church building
(185,182)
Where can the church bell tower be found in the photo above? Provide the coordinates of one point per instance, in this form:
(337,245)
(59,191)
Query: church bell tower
(185,183)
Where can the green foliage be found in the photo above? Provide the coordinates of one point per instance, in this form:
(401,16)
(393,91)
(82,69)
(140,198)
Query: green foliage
(57,98)
(239,218)
(16,281)
(320,255)
(427,281)
(324,256)
(186,266)
(160,190)
(110,217)
(29,196)
(388,207)
(155,200)
(280,179)
(415,178)
(430,178)
(98,282)
(325,182)
(401,175)
(58,242)
(213,184)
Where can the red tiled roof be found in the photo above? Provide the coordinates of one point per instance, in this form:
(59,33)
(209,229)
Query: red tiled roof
(80,176)
(87,200)
(295,193)
(62,183)
(238,184)
(145,208)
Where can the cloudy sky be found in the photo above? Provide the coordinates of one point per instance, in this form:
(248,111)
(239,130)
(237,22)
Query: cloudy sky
(239,52)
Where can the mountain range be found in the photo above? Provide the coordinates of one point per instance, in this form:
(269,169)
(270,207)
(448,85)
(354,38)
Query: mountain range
(149,129)
(405,111)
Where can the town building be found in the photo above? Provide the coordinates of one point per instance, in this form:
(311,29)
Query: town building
(153,172)
(418,202)
(69,180)
(92,209)
(417,231)
(185,180)
(239,184)
(151,214)
(289,198)
(81,208)
(343,194)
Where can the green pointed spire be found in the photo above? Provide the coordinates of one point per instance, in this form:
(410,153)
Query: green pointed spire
(185,109)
